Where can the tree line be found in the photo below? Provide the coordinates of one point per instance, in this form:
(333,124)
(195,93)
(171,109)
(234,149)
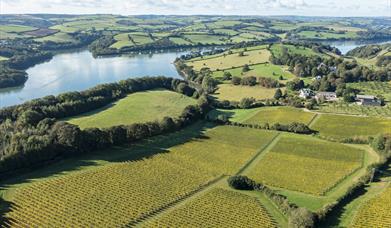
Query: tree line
(31,135)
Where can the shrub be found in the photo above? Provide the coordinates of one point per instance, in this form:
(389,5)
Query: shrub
(249,81)
(236,80)
(241,183)
(301,218)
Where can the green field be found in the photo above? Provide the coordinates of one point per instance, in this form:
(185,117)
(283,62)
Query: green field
(16,28)
(326,35)
(259,70)
(205,39)
(135,108)
(119,186)
(355,109)
(342,126)
(282,115)
(231,61)
(276,49)
(306,164)
(236,93)
(179,41)
(131,39)
(57,37)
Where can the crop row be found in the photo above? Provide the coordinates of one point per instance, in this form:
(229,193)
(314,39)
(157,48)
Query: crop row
(217,208)
(123,193)
(376,212)
(305,164)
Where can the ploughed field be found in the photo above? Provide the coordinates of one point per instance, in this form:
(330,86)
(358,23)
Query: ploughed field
(135,108)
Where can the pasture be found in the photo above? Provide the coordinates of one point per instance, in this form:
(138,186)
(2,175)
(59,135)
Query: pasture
(236,93)
(205,38)
(231,61)
(57,38)
(316,35)
(341,126)
(277,50)
(306,164)
(259,70)
(135,108)
(131,183)
(131,39)
(16,28)
(218,208)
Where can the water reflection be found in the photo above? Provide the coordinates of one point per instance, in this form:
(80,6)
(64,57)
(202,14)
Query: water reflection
(79,70)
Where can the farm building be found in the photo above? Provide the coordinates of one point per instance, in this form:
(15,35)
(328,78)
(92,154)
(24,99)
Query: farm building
(326,96)
(368,100)
(306,93)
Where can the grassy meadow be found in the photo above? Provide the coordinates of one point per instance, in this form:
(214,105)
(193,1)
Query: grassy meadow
(232,61)
(236,93)
(135,108)
(267,70)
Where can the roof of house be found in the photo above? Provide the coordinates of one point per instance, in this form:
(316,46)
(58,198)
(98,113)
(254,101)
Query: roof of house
(326,94)
(366,97)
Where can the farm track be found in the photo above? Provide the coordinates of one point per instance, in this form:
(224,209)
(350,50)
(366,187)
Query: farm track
(254,160)
(313,120)
(218,181)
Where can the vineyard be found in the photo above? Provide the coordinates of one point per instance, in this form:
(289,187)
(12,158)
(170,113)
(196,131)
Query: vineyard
(305,164)
(354,109)
(376,212)
(217,208)
(282,115)
(121,193)
(331,126)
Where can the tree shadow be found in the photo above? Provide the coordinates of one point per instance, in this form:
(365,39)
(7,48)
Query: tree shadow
(212,115)
(128,152)
(334,218)
(5,207)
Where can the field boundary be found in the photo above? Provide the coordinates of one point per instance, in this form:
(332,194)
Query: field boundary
(314,119)
(258,154)
(171,204)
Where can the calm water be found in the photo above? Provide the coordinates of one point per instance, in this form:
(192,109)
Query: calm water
(79,71)
(345,46)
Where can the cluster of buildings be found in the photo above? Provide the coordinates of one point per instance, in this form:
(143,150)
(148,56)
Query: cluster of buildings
(366,100)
